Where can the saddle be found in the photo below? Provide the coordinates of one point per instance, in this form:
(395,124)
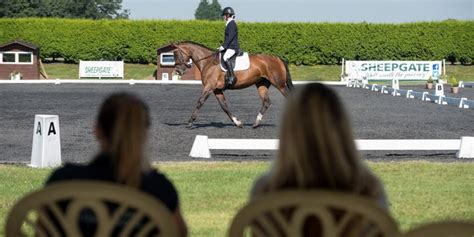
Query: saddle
(240,61)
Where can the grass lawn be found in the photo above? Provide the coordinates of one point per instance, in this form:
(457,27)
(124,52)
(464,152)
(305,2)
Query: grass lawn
(212,192)
(302,73)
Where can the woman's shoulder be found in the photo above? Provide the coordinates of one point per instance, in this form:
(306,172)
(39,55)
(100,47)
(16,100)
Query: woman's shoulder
(260,185)
(68,171)
(158,182)
(158,185)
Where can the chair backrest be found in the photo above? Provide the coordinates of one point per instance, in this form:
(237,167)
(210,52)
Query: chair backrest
(443,229)
(63,208)
(329,214)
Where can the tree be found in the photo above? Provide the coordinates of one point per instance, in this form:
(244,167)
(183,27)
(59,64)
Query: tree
(206,11)
(92,9)
(215,10)
(201,11)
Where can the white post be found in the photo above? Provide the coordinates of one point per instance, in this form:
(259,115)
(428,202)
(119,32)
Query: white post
(200,147)
(395,84)
(165,76)
(467,148)
(343,68)
(46,150)
(444,66)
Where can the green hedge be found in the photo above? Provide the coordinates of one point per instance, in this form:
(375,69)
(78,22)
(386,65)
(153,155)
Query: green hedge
(136,41)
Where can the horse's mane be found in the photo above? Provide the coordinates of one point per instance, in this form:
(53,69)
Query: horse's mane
(192,42)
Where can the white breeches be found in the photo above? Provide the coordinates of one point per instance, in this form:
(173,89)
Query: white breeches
(228,53)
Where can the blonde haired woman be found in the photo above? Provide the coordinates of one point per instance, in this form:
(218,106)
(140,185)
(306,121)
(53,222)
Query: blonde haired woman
(121,130)
(317,149)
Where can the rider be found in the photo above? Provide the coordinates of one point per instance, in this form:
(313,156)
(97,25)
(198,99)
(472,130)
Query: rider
(231,43)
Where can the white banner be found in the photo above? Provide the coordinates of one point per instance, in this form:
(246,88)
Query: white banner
(388,70)
(101,69)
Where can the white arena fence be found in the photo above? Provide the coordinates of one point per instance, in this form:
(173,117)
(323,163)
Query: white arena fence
(410,94)
(203,145)
(134,82)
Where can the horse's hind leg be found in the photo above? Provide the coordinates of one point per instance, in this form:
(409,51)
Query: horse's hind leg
(202,99)
(221,98)
(262,88)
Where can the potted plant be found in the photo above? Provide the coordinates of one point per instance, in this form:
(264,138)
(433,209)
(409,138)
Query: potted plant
(454,85)
(429,83)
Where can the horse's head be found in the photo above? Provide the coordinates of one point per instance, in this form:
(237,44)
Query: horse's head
(182,57)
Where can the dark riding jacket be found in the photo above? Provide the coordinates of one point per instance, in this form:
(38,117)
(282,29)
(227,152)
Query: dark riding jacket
(231,37)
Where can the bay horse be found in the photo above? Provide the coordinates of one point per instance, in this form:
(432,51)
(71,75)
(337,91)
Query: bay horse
(265,70)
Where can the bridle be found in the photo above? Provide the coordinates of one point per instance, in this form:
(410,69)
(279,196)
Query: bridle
(181,52)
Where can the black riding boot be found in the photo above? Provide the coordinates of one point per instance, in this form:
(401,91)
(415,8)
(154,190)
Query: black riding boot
(230,77)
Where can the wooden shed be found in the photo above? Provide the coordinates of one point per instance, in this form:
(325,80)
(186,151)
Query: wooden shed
(165,66)
(19,60)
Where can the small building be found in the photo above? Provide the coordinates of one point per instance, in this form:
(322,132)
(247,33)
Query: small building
(165,66)
(19,60)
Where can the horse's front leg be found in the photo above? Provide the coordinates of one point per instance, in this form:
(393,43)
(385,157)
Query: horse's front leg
(202,99)
(221,98)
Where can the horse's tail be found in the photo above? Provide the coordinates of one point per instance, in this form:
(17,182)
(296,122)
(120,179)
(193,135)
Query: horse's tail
(289,81)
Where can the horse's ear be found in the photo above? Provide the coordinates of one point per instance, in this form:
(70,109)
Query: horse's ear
(166,48)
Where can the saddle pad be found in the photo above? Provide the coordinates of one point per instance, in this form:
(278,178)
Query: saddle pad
(241,63)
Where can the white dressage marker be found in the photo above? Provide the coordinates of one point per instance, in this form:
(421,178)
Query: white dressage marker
(409,94)
(465,146)
(46,150)
(395,84)
(439,89)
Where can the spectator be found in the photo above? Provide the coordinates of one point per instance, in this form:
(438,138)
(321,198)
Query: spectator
(317,149)
(121,130)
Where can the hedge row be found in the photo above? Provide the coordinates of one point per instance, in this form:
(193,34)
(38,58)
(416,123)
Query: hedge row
(301,43)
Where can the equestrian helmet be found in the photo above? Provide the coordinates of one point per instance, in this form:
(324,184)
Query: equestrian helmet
(228,10)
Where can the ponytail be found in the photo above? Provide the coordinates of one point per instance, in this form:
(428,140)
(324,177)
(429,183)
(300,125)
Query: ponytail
(124,120)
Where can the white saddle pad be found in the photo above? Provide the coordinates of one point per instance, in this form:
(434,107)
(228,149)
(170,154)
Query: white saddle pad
(241,63)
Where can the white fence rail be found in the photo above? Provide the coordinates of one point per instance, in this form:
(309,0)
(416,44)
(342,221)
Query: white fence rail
(132,82)
(202,145)
(438,98)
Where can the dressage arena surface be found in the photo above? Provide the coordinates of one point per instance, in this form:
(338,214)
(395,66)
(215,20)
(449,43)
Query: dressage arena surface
(374,116)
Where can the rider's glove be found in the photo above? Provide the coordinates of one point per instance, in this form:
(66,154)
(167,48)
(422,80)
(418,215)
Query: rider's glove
(221,48)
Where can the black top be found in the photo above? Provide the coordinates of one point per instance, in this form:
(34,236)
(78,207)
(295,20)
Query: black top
(231,37)
(100,169)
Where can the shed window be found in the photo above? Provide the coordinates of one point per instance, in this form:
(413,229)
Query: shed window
(167,59)
(25,57)
(8,57)
(16,57)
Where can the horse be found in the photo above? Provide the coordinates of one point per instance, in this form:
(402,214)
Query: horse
(264,71)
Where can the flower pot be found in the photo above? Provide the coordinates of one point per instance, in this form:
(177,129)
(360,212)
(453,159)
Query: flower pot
(454,90)
(429,86)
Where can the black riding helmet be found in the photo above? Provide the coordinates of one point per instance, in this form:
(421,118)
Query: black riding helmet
(228,10)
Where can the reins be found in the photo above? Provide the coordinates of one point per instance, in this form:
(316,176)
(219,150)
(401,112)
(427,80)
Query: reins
(181,52)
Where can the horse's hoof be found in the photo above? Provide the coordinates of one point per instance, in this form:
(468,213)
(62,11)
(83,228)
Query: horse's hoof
(255,125)
(190,126)
(237,122)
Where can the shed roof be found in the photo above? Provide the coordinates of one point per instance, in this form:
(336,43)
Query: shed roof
(165,48)
(21,42)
